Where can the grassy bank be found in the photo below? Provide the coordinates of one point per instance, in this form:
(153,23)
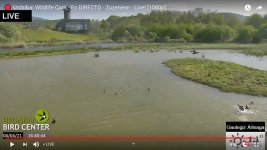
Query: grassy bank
(49,36)
(22,54)
(258,50)
(24,37)
(250,49)
(226,76)
(253,49)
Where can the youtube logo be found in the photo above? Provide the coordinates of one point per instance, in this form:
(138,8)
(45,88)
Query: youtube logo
(9,15)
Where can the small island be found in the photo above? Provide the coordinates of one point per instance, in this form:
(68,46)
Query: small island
(226,76)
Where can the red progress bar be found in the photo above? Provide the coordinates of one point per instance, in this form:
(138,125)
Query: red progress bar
(128,138)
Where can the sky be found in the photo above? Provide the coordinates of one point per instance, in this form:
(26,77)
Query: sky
(101,11)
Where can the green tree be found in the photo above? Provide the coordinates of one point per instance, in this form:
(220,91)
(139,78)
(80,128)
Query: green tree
(232,21)
(255,20)
(136,31)
(94,26)
(260,34)
(9,33)
(262,31)
(105,26)
(246,34)
(2,38)
(152,36)
(214,33)
(113,22)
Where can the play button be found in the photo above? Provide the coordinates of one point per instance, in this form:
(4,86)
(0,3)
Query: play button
(11,144)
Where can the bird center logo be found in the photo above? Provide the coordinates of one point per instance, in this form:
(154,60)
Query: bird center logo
(42,116)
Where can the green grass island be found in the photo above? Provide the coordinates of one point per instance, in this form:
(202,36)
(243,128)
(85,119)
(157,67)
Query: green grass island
(226,76)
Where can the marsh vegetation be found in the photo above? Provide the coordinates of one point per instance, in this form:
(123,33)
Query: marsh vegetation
(226,76)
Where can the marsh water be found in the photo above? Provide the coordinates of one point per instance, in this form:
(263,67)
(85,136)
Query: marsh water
(109,95)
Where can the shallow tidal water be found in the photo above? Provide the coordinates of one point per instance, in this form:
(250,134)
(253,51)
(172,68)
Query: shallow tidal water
(109,96)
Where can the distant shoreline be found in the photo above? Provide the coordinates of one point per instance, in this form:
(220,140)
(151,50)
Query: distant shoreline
(249,49)
(33,45)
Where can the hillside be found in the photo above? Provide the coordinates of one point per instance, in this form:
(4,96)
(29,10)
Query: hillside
(241,18)
(18,33)
(46,35)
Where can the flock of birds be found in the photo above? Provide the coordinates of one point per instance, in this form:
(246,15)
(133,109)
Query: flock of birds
(246,107)
(194,51)
(242,108)
(104,91)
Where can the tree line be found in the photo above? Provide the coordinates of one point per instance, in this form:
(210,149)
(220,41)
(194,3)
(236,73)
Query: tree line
(191,26)
(167,26)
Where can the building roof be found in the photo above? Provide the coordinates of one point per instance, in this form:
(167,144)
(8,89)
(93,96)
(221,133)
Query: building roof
(75,20)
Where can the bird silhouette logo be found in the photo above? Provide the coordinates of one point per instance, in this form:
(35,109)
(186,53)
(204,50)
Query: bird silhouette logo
(42,116)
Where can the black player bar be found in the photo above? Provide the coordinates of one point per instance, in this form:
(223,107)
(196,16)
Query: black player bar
(245,126)
(15,15)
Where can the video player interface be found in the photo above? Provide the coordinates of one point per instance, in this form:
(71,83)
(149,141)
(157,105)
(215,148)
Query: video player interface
(130,75)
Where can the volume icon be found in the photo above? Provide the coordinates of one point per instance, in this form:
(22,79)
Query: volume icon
(36,144)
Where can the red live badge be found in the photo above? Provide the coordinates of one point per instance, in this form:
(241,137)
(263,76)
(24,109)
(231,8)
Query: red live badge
(7,7)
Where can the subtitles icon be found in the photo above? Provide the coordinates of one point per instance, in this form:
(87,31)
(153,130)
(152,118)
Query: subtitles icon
(247,7)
